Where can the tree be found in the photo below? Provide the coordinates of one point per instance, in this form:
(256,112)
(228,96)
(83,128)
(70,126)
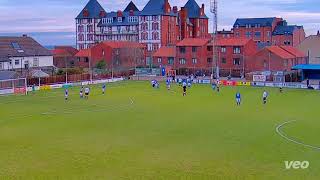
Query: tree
(102,65)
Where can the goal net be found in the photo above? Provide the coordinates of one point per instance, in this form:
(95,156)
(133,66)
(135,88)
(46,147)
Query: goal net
(13,86)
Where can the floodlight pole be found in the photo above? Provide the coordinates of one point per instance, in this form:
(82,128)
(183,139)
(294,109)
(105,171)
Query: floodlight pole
(215,60)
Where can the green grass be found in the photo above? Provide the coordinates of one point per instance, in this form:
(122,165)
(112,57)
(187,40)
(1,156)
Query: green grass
(136,132)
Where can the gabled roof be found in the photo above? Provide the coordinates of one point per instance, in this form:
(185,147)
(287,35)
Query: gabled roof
(155,7)
(64,51)
(294,51)
(193,9)
(131,6)
(280,52)
(84,53)
(282,30)
(165,51)
(193,42)
(21,47)
(232,42)
(263,22)
(94,9)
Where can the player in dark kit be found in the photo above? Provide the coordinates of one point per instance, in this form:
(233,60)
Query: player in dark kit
(104,86)
(184,87)
(66,94)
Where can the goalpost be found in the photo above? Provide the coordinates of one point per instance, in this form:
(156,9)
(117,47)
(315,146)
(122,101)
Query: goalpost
(13,86)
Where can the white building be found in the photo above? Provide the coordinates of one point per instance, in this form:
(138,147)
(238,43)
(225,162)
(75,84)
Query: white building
(24,53)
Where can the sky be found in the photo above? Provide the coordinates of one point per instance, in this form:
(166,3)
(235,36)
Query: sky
(52,22)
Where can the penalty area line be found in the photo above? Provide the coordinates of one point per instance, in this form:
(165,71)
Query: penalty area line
(283,135)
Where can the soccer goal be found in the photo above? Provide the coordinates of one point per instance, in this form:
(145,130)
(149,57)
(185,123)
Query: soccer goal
(13,86)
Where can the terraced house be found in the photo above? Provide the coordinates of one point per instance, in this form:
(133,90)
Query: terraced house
(157,24)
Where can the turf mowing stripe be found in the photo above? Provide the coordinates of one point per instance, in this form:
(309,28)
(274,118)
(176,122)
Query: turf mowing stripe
(283,135)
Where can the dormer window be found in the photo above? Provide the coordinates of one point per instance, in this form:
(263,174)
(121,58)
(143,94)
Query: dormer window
(107,20)
(119,19)
(133,19)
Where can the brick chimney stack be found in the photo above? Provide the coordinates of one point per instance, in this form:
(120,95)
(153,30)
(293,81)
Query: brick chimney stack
(167,7)
(175,9)
(202,10)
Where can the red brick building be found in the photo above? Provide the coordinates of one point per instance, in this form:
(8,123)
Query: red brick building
(197,54)
(268,31)
(118,55)
(192,53)
(64,56)
(165,57)
(193,21)
(232,55)
(276,58)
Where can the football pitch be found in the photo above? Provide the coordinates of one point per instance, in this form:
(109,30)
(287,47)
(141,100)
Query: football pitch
(137,132)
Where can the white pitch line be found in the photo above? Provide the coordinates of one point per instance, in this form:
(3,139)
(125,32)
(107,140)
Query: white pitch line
(283,135)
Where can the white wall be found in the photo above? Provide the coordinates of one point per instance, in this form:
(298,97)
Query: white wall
(33,62)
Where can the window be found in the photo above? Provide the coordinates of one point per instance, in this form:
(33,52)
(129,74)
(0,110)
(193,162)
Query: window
(15,45)
(35,62)
(265,64)
(155,47)
(287,43)
(155,36)
(155,26)
(285,63)
(223,49)
(17,62)
(209,48)
(144,26)
(109,20)
(182,50)
(223,60)
(236,50)
(133,19)
(119,19)
(182,61)
(170,60)
(237,34)
(269,34)
(236,61)
(248,34)
(257,34)
(194,61)
(159,60)
(144,36)
(209,60)
(194,49)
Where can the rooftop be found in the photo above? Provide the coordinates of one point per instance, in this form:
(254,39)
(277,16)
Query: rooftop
(165,51)
(93,9)
(21,47)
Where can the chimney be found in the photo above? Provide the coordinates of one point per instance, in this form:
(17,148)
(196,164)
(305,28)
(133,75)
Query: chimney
(167,7)
(318,34)
(202,10)
(175,9)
